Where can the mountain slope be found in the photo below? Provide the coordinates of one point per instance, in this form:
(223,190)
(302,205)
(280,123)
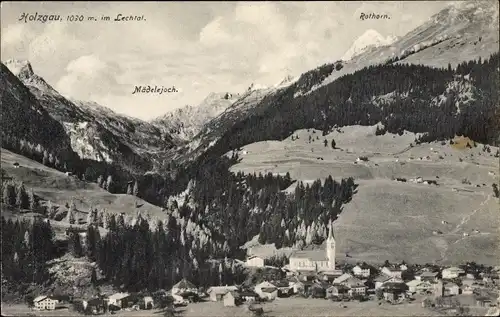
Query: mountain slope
(96,133)
(24,119)
(389,219)
(458,33)
(369,39)
(441,102)
(246,105)
(187,122)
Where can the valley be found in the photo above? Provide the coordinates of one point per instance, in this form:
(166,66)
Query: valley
(371,181)
(389,219)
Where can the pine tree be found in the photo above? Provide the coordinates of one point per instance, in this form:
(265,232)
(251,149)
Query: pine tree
(326,143)
(21,197)
(71,213)
(45,159)
(136,189)
(33,201)
(93,277)
(100,181)
(334,144)
(51,210)
(109,183)
(9,194)
(75,245)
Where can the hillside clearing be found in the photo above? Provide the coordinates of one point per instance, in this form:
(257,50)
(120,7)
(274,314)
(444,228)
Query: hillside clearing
(389,219)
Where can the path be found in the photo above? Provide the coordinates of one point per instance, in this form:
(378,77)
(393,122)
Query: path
(444,246)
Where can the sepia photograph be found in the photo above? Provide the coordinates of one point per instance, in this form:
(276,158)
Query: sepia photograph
(250,158)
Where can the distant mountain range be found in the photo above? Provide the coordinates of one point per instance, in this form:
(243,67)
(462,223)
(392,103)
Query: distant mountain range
(94,132)
(458,33)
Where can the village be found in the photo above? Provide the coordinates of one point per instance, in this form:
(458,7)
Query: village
(468,289)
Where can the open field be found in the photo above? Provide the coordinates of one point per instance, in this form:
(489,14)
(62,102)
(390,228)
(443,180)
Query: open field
(50,184)
(309,307)
(394,220)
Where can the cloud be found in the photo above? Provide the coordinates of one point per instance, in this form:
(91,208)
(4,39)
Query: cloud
(199,48)
(89,76)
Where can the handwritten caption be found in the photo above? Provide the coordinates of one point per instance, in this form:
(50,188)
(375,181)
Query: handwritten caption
(44,18)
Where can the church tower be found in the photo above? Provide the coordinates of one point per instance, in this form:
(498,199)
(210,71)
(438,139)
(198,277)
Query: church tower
(330,248)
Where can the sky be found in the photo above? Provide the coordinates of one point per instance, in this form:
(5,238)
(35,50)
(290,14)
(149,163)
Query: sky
(196,47)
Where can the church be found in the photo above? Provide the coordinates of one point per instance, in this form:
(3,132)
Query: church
(315,260)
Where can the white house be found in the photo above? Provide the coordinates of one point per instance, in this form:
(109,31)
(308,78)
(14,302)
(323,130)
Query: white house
(255,261)
(118,299)
(452,272)
(266,290)
(315,260)
(361,270)
(394,272)
(421,287)
(382,279)
(45,303)
(216,293)
(341,280)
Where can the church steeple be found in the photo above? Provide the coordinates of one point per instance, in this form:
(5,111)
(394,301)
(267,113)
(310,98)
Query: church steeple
(330,247)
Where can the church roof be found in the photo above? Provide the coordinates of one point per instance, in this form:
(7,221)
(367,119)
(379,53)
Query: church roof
(313,255)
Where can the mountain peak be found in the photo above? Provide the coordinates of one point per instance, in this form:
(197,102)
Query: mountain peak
(371,38)
(20,68)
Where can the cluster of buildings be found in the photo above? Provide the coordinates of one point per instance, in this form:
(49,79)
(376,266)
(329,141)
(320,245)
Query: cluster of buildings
(313,273)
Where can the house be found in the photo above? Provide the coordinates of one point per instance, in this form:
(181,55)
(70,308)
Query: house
(266,290)
(68,174)
(337,291)
(248,296)
(216,293)
(362,270)
(427,276)
(419,287)
(119,299)
(382,279)
(315,260)
(392,271)
(306,275)
(451,289)
(452,272)
(318,290)
(330,276)
(284,289)
(232,298)
(184,286)
(356,287)
(342,279)
(45,303)
(148,302)
(393,291)
(467,289)
(255,261)
(296,285)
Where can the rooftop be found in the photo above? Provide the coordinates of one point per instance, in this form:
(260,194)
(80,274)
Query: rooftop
(313,255)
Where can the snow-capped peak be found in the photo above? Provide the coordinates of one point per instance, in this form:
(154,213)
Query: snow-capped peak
(369,39)
(20,68)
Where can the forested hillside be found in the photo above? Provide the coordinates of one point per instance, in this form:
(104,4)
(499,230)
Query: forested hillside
(438,102)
